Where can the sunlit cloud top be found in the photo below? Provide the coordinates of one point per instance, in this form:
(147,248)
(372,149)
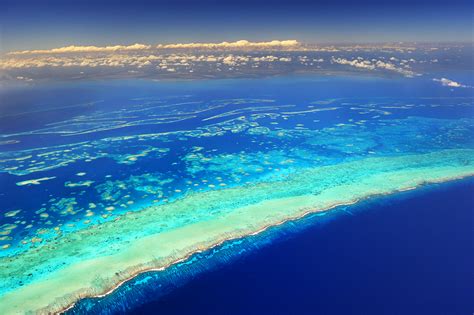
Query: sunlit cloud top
(236,59)
(81,49)
(237,44)
(241,44)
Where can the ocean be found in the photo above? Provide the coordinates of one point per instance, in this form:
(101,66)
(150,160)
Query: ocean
(410,253)
(93,156)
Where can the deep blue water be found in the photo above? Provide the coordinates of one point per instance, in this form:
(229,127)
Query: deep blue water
(408,254)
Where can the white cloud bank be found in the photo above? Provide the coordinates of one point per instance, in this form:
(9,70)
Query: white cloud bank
(136,60)
(82,49)
(241,44)
(359,62)
(450,83)
(238,44)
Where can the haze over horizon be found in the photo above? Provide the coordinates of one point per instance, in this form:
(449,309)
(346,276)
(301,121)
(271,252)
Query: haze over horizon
(104,23)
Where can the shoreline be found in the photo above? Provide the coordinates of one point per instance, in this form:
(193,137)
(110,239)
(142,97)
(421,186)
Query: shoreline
(263,229)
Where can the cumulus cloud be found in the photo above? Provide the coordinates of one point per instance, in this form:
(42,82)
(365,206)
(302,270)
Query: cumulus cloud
(359,62)
(137,60)
(392,67)
(450,83)
(241,57)
(240,44)
(82,49)
(354,63)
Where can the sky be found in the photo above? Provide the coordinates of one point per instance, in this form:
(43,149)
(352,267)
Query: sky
(41,24)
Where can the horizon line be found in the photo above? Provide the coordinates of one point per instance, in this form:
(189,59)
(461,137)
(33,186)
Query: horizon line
(239,44)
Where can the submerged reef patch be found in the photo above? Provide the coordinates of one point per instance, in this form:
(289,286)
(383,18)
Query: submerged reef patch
(156,172)
(157,236)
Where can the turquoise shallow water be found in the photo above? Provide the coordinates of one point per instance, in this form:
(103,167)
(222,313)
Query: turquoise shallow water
(408,253)
(86,153)
(108,148)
